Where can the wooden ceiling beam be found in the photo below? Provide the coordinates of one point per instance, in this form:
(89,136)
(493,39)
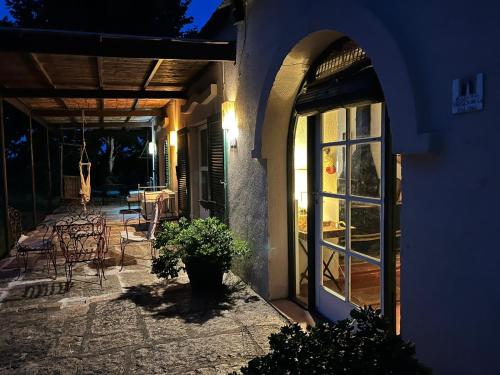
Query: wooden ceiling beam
(149,77)
(106,45)
(98,113)
(105,125)
(98,61)
(35,62)
(92,94)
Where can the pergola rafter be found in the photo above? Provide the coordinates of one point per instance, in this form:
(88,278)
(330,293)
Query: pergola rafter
(119,81)
(68,72)
(154,68)
(98,61)
(111,45)
(90,94)
(108,125)
(99,113)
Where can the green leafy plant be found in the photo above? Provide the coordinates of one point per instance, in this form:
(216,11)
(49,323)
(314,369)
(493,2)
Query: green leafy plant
(361,344)
(206,240)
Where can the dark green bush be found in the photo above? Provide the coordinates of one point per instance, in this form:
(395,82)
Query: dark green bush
(206,240)
(359,345)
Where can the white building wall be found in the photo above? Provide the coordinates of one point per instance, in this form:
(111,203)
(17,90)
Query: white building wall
(450,282)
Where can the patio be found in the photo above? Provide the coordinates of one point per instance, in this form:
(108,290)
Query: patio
(135,323)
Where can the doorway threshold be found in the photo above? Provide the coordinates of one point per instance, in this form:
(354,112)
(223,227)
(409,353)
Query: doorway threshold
(294,312)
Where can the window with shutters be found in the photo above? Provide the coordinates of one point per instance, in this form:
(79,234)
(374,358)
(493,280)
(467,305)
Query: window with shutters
(216,167)
(182,170)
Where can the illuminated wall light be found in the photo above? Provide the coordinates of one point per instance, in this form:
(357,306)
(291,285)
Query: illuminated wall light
(173,138)
(152,148)
(229,122)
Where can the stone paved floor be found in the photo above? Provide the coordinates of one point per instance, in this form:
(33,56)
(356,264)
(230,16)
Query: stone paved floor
(135,324)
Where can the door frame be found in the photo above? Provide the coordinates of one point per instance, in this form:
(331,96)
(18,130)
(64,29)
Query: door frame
(387,261)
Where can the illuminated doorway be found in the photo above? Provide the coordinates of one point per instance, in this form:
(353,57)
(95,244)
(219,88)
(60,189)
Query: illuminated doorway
(344,190)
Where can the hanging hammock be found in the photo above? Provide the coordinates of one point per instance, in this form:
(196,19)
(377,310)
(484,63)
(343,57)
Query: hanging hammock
(85,188)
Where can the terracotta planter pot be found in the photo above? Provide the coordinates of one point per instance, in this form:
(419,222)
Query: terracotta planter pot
(204,276)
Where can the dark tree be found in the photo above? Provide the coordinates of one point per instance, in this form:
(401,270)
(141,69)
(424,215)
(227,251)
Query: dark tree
(136,17)
(5,22)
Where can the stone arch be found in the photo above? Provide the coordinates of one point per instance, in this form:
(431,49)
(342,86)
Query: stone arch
(294,54)
(329,21)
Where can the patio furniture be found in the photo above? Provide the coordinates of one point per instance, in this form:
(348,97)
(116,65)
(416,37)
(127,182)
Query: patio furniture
(127,237)
(134,197)
(147,198)
(83,239)
(38,241)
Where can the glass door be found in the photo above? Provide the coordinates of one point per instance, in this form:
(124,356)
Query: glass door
(349,209)
(300,204)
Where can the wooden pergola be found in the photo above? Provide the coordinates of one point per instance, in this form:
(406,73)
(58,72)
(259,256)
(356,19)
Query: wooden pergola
(119,81)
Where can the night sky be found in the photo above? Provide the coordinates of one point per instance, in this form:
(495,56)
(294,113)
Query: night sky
(199,9)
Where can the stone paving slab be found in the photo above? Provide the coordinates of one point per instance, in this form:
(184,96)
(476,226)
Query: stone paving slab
(134,324)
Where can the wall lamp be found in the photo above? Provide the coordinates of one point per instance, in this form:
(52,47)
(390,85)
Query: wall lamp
(152,148)
(173,138)
(229,123)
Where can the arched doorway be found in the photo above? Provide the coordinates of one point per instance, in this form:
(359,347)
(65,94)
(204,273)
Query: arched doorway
(343,189)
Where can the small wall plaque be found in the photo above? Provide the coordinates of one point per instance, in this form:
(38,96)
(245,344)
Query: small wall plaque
(467,95)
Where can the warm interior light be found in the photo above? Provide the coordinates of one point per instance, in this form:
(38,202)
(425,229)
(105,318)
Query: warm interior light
(151,148)
(301,188)
(173,138)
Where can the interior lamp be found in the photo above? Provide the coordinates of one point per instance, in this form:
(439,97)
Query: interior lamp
(229,123)
(173,138)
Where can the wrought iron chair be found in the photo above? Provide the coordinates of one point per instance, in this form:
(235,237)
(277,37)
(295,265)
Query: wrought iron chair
(38,241)
(127,237)
(83,240)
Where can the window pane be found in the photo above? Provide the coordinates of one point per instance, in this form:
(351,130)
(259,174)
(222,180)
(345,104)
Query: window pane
(365,228)
(333,164)
(365,283)
(334,230)
(333,275)
(333,124)
(366,163)
(366,121)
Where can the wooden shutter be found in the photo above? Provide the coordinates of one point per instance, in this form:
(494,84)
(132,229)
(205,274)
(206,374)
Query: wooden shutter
(216,167)
(182,171)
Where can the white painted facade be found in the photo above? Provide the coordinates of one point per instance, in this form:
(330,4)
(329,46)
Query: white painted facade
(449,247)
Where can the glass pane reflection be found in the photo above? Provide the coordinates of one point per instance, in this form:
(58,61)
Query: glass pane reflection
(366,169)
(365,283)
(365,121)
(333,275)
(334,219)
(365,228)
(333,169)
(333,124)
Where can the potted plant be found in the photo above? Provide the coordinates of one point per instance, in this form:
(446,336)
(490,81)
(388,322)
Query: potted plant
(206,248)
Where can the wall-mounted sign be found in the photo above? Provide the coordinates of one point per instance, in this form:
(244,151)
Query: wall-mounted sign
(467,95)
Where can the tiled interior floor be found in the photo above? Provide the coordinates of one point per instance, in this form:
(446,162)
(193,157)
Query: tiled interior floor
(134,324)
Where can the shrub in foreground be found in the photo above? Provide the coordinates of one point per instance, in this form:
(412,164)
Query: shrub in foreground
(361,344)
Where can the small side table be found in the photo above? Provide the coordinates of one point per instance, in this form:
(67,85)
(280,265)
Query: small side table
(128,212)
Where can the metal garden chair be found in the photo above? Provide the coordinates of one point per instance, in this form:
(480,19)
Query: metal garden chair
(38,241)
(83,240)
(127,237)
